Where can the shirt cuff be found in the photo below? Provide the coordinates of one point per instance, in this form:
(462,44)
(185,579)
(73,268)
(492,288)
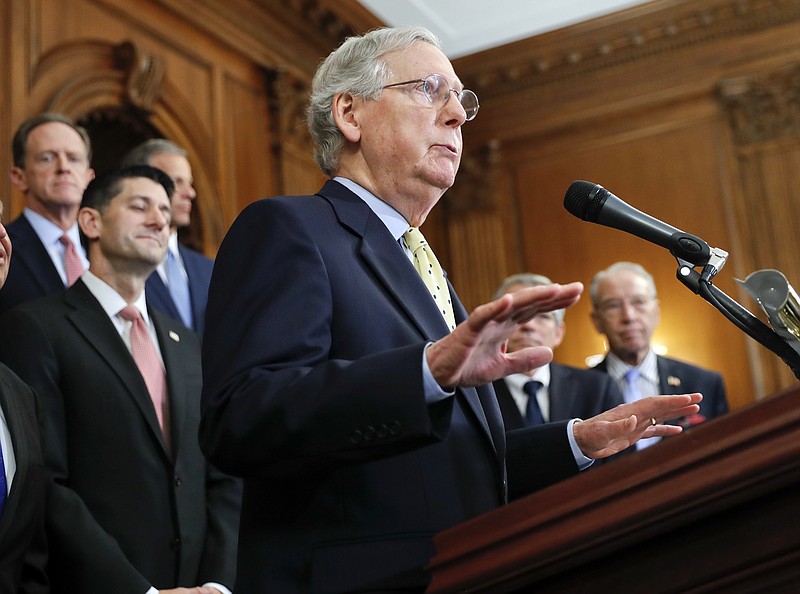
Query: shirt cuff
(219,587)
(433,391)
(582,461)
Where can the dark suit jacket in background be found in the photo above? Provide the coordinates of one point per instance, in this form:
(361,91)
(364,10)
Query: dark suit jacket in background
(33,274)
(676,377)
(573,393)
(198,270)
(313,392)
(123,514)
(23,547)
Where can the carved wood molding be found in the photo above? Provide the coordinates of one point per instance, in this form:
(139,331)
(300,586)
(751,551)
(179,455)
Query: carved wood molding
(278,34)
(289,107)
(144,74)
(763,107)
(641,32)
(476,185)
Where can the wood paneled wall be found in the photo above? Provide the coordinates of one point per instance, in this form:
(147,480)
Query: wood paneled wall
(225,79)
(687,109)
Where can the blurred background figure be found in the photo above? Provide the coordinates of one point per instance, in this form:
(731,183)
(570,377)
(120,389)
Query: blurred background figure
(552,392)
(626,310)
(179,286)
(51,168)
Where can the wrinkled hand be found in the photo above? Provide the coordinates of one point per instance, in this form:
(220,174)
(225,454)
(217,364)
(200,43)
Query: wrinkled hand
(475,352)
(614,430)
(5,255)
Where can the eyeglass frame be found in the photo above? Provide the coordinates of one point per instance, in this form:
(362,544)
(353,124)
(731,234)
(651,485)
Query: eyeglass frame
(450,89)
(612,308)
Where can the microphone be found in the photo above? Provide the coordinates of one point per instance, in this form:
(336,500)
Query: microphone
(593,203)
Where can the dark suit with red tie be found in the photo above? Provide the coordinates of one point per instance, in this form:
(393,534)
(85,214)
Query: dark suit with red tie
(313,392)
(124,512)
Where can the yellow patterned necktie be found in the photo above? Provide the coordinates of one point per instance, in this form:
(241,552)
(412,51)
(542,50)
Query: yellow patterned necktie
(431,273)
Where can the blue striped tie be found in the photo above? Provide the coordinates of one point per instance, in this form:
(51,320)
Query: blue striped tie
(179,289)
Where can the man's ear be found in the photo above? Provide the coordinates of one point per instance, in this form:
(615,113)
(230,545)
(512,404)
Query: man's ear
(345,115)
(90,221)
(18,179)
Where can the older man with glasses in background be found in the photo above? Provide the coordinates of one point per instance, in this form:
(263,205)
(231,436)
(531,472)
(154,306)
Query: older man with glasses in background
(626,310)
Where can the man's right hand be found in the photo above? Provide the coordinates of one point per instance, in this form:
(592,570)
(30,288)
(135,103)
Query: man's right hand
(475,352)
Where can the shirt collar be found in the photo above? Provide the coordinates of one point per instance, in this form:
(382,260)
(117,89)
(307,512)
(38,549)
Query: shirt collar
(648,368)
(172,242)
(111,301)
(542,374)
(49,232)
(394,221)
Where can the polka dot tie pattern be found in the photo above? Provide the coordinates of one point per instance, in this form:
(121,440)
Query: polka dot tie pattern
(431,273)
(146,357)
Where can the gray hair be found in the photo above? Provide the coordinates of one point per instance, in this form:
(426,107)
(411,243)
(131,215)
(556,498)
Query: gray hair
(356,66)
(142,153)
(632,267)
(527,279)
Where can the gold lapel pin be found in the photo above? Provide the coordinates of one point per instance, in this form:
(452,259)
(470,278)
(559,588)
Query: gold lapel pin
(674,381)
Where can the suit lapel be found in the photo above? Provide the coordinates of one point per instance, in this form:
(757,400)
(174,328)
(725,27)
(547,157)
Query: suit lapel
(20,442)
(31,254)
(668,379)
(92,323)
(559,401)
(169,341)
(398,277)
(157,293)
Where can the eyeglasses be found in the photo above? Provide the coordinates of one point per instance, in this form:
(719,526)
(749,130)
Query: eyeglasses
(435,90)
(613,307)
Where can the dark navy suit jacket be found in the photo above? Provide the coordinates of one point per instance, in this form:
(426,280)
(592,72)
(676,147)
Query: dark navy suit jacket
(123,511)
(23,545)
(313,392)
(33,274)
(677,377)
(198,270)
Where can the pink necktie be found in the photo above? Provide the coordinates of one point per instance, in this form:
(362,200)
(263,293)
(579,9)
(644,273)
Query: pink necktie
(146,357)
(72,261)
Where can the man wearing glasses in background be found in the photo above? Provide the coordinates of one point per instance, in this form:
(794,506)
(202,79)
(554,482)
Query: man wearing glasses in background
(626,311)
(342,377)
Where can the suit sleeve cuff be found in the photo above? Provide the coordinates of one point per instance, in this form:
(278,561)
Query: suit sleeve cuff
(582,461)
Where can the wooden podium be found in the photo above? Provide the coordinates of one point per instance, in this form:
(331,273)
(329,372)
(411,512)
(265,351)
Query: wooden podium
(715,509)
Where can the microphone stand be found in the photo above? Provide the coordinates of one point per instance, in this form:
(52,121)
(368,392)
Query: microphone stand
(700,284)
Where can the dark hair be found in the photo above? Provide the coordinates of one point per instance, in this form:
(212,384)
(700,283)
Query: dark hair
(19,145)
(106,187)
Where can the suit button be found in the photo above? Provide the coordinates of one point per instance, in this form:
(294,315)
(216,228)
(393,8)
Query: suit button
(356,437)
(394,428)
(178,481)
(175,544)
(383,431)
(370,433)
